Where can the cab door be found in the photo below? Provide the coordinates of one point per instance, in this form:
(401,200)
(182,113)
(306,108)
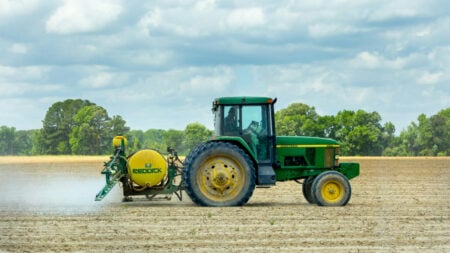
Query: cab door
(257,130)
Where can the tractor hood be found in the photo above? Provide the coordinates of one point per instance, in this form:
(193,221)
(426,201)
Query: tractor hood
(305,141)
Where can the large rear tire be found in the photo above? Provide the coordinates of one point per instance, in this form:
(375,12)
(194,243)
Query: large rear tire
(219,174)
(331,188)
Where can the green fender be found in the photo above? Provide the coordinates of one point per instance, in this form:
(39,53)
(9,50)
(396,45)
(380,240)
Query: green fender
(349,169)
(240,142)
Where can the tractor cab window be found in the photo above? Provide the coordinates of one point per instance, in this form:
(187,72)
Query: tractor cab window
(255,129)
(232,122)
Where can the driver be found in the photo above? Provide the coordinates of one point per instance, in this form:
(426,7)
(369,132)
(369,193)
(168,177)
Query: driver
(231,123)
(252,132)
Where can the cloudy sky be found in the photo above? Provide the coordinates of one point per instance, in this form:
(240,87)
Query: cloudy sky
(159,64)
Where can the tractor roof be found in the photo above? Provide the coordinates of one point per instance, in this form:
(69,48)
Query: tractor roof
(243,100)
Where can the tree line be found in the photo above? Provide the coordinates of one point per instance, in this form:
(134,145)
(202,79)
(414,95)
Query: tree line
(80,127)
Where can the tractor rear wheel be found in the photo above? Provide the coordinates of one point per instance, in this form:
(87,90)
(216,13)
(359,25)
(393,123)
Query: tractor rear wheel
(219,174)
(331,188)
(307,189)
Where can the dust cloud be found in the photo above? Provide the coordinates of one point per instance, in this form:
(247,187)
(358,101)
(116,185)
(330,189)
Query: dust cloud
(54,188)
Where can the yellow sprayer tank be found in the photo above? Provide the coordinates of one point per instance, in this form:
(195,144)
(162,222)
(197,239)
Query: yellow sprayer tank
(147,167)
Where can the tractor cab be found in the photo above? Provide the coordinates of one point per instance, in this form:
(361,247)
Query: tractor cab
(249,122)
(250,118)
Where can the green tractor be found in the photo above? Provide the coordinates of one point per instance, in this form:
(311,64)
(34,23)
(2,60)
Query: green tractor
(243,154)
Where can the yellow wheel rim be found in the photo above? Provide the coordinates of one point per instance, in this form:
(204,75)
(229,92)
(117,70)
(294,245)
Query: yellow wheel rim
(221,178)
(332,191)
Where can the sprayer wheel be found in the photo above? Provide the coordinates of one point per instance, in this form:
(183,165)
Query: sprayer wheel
(219,174)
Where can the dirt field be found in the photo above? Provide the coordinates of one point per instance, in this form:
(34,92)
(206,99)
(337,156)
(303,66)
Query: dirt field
(398,205)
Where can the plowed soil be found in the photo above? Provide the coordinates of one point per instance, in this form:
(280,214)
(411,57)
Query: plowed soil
(398,205)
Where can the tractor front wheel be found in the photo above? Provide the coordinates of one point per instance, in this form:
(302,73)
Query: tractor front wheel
(219,174)
(306,189)
(331,188)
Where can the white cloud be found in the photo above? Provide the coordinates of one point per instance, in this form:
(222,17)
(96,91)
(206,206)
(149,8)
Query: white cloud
(319,30)
(18,48)
(423,32)
(18,89)
(171,86)
(178,22)
(31,73)
(151,19)
(149,58)
(395,9)
(246,18)
(215,81)
(430,78)
(78,16)
(205,5)
(6,71)
(11,8)
(367,60)
(98,80)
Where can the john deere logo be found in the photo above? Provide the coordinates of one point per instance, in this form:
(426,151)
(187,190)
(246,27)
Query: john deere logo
(147,170)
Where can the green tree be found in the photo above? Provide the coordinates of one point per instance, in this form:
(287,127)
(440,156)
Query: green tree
(359,132)
(117,126)
(298,119)
(90,133)
(14,142)
(135,140)
(389,141)
(174,138)
(388,134)
(440,125)
(427,137)
(194,134)
(38,146)
(58,124)
(7,135)
(155,138)
(409,144)
(328,125)
(23,142)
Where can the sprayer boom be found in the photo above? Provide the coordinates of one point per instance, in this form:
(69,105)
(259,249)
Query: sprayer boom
(113,172)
